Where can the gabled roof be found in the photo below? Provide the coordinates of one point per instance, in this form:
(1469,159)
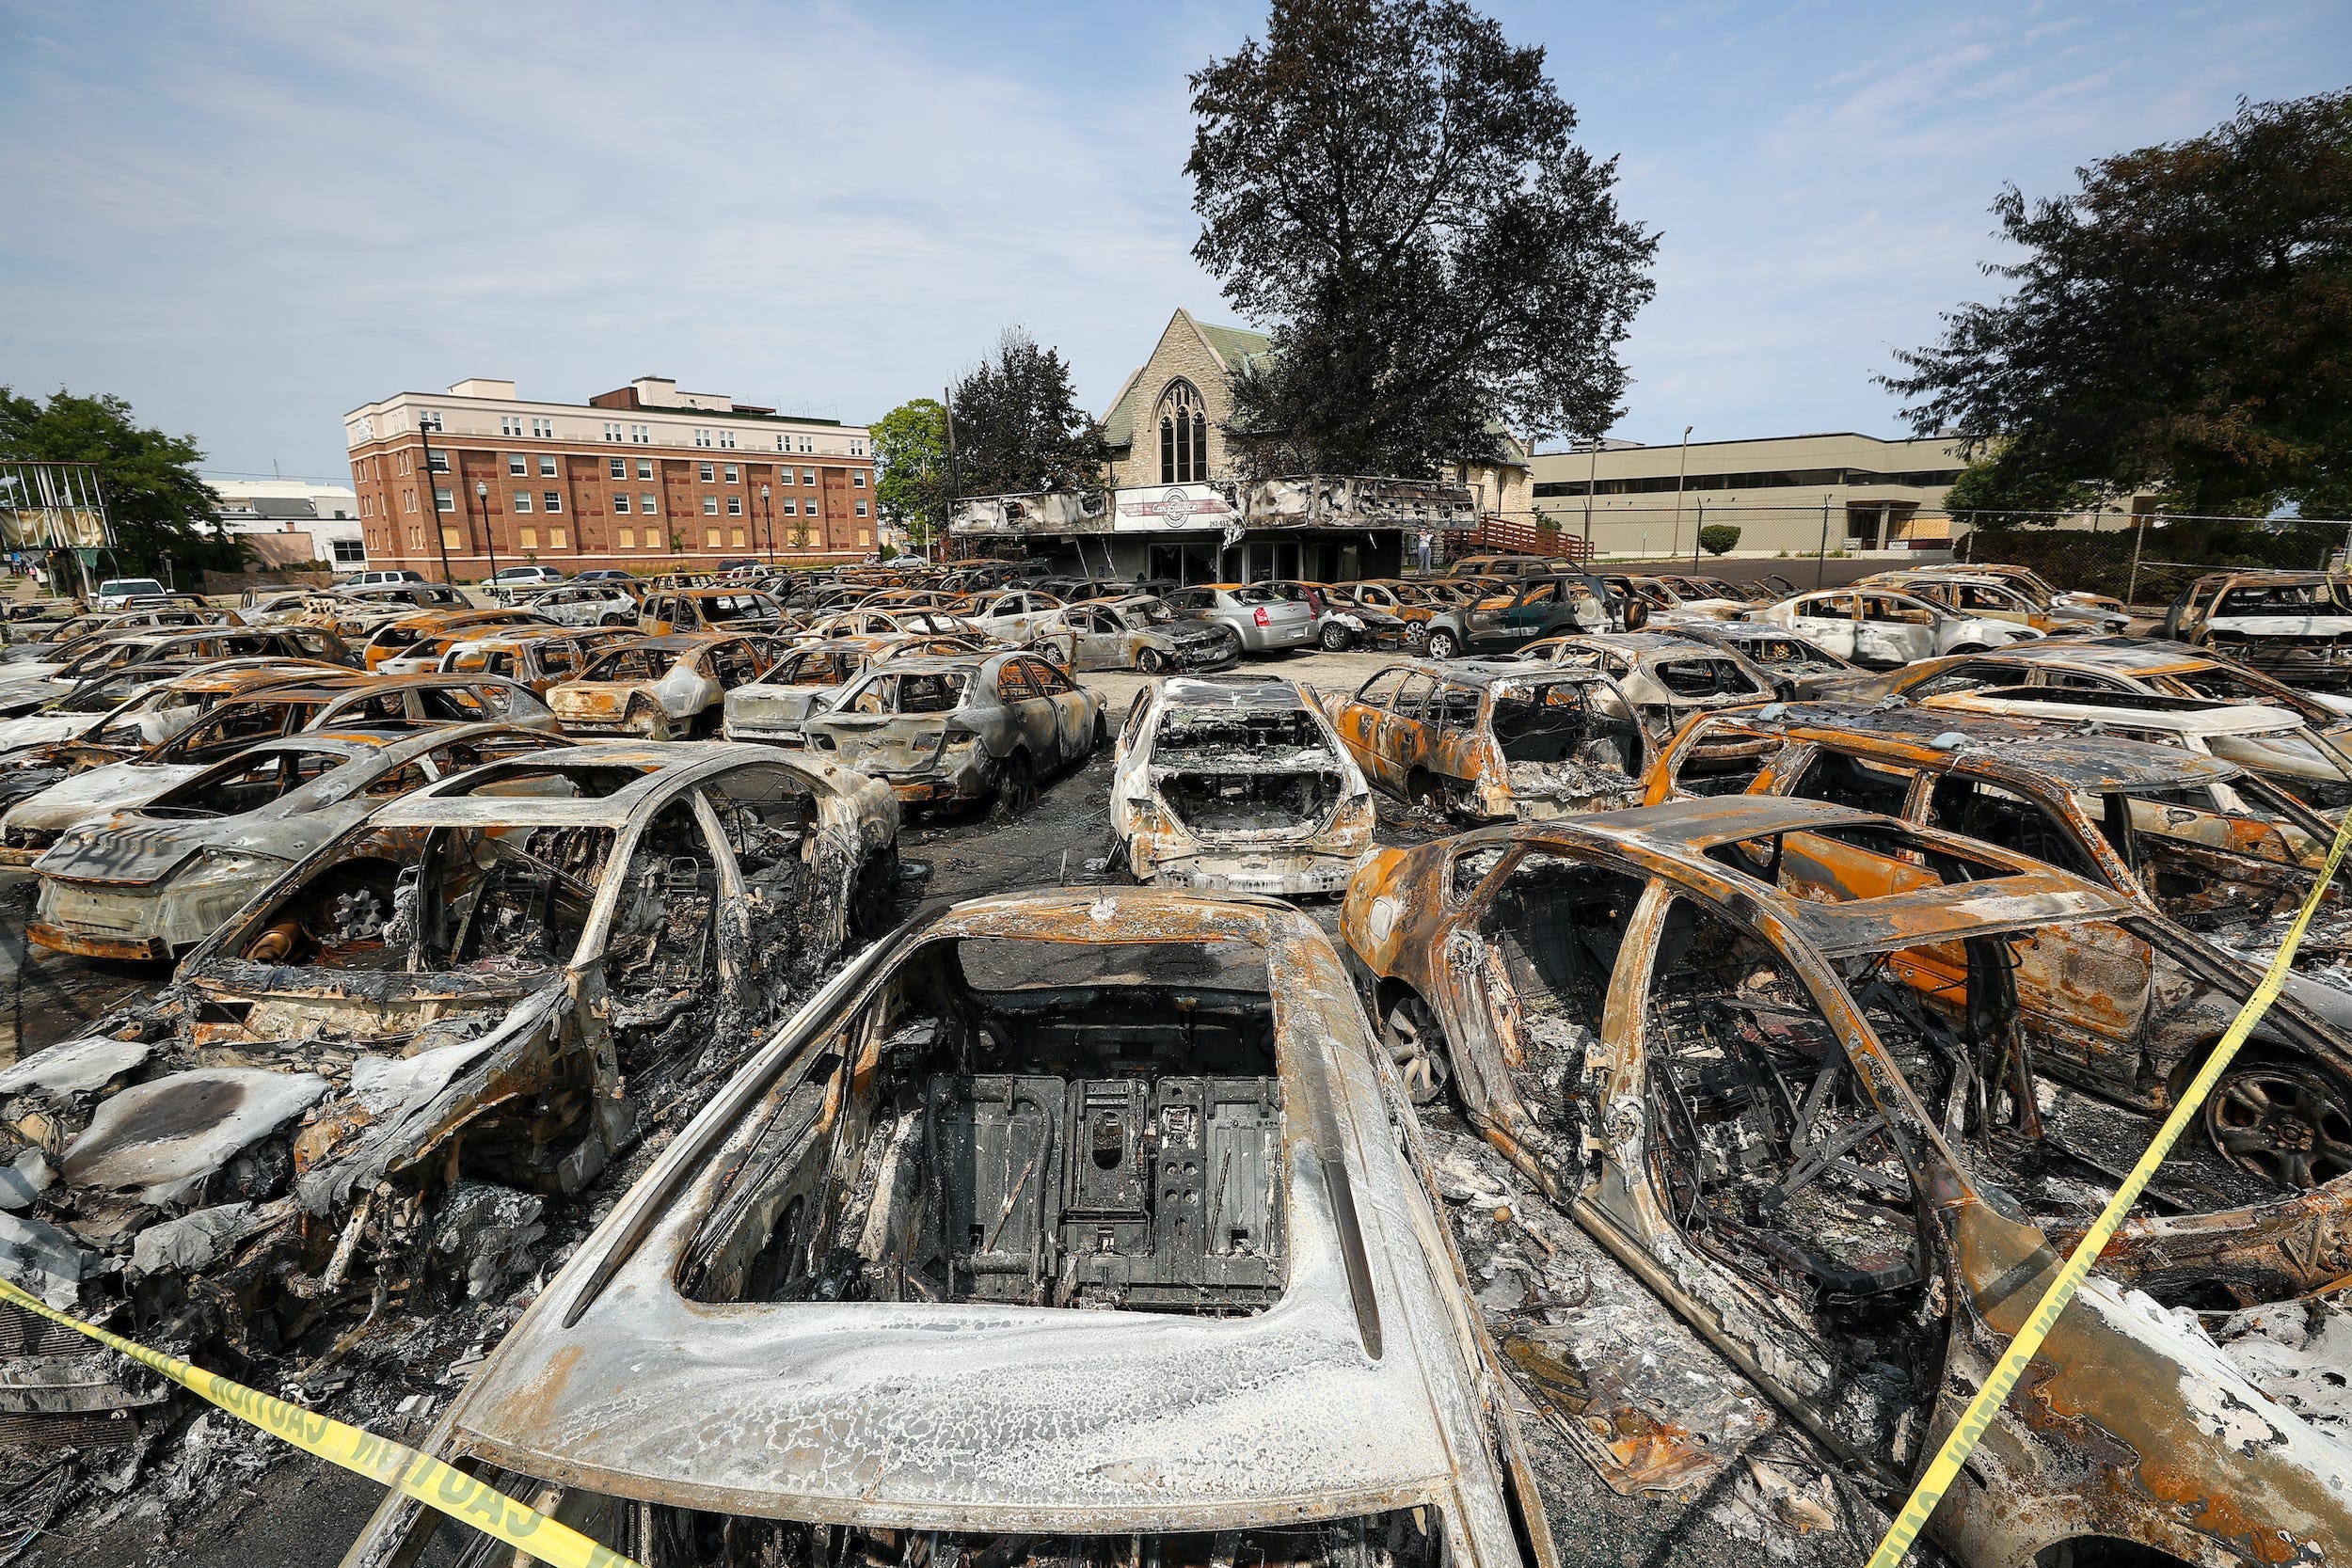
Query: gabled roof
(1232,347)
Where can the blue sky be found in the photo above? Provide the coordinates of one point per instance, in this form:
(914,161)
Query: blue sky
(249,216)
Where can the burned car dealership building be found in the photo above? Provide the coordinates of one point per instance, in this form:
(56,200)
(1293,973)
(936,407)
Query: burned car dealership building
(1318,527)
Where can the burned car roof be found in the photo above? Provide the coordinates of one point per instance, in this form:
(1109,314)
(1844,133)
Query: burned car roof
(471,798)
(1995,744)
(1272,692)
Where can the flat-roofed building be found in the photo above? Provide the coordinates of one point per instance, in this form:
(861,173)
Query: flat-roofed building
(645,477)
(292,522)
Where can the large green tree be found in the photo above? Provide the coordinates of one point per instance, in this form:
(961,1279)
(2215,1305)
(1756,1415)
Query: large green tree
(1018,427)
(1396,188)
(159,506)
(911,467)
(2181,322)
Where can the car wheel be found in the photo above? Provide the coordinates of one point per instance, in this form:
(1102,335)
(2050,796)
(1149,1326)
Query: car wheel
(1102,732)
(1422,788)
(618,621)
(1416,1043)
(1152,661)
(874,896)
(1016,786)
(1443,643)
(656,723)
(1336,638)
(2290,1124)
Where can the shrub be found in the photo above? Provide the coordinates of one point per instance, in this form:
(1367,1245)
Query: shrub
(1718,538)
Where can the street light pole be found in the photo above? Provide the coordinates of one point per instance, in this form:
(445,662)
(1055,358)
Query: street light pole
(489,536)
(1592,482)
(1676,548)
(768,515)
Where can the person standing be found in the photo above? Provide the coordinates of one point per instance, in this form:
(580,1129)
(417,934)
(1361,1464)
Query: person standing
(1421,549)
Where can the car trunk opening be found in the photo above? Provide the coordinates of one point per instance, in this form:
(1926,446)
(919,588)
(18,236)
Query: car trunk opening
(1032,1122)
(1223,771)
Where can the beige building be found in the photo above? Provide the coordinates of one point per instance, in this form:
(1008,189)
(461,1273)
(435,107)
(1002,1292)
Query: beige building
(1783,493)
(292,522)
(645,478)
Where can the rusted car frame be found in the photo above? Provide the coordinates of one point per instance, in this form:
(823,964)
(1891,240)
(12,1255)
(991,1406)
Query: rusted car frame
(1733,1089)
(661,687)
(1135,631)
(1668,680)
(1489,741)
(2294,626)
(1280,1364)
(1237,782)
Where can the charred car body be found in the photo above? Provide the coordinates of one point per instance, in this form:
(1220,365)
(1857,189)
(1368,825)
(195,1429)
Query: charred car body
(1736,1081)
(1240,783)
(1135,631)
(484,985)
(1668,680)
(1489,742)
(1060,1228)
(661,687)
(2296,625)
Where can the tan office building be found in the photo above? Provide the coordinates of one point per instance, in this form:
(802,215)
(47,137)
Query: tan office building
(647,478)
(1783,493)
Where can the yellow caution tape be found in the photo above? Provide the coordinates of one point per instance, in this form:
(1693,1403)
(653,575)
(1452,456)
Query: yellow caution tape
(1973,1422)
(472,1503)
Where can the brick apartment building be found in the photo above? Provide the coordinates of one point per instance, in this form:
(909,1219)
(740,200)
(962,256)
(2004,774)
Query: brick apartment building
(645,478)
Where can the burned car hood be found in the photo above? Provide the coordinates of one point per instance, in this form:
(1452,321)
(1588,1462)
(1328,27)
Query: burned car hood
(20,697)
(773,705)
(44,729)
(120,786)
(130,852)
(2252,626)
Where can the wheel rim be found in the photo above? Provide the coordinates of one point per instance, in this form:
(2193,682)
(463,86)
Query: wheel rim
(1334,639)
(1417,1063)
(1148,661)
(1019,786)
(2288,1124)
(1441,645)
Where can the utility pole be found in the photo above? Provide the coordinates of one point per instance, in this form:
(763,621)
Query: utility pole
(1821,561)
(768,515)
(955,483)
(489,536)
(1592,482)
(1673,548)
(2138,541)
(1696,532)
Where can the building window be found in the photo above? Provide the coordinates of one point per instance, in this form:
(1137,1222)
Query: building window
(808,476)
(1183,435)
(732,476)
(451,539)
(857,478)
(611,431)
(443,500)
(350,552)
(709,473)
(640,434)
(861,509)
(544,429)
(620,504)
(735,506)
(739,538)
(645,504)
(808,443)
(547,464)
(552,500)
(864,537)
(711,506)
(556,539)
(625,539)
(522,501)
(857,448)
(429,418)
(702,439)
(517,464)
(726,439)
(510,424)
(527,538)
(644,467)
(782,445)
(713,539)
(619,467)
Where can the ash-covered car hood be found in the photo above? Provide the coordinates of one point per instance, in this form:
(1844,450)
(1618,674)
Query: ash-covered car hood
(2267,625)
(117,787)
(44,728)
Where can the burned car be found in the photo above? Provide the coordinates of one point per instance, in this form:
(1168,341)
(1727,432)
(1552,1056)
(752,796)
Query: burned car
(396,638)
(661,687)
(1135,631)
(1798,666)
(2140,664)
(1487,743)
(110,771)
(1236,782)
(1994,599)
(584,604)
(477,996)
(2294,626)
(670,612)
(534,658)
(957,732)
(22,696)
(1060,1228)
(773,706)
(1728,1070)
(1882,628)
(155,879)
(1668,680)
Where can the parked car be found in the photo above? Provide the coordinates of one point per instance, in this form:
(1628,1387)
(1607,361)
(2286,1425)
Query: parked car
(959,732)
(32,658)
(534,657)
(1489,742)
(661,687)
(1181,1293)
(1738,1087)
(1881,628)
(1667,679)
(1014,615)
(1530,609)
(1367,615)
(2028,581)
(141,705)
(1990,598)
(2155,668)
(393,639)
(380,574)
(2296,626)
(606,573)
(1239,782)
(1799,667)
(694,610)
(509,577)
(1668,602)
(885,624)
(1255,611)
(155,878)
(585,604)
(114,592)
(21,695)
(1137,632)
(771,706)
